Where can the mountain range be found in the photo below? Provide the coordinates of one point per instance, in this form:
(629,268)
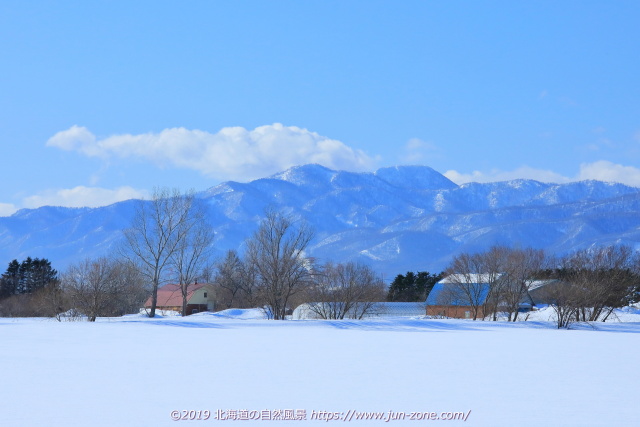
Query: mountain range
(397,219)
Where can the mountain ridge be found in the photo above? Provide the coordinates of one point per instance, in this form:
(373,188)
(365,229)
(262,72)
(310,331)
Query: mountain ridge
(396,219)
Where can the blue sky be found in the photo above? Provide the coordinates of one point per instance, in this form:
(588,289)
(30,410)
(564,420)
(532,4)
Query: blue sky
(103,100)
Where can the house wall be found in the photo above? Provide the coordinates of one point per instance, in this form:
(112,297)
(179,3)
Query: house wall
(455,311)
(169,308)
(198,296)
(196,308)
(197,301)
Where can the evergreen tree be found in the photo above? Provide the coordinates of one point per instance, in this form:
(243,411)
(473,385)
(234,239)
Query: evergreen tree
(424,283)
(41,275)
(395,288)
(412,287)
(27,277)
(9,281)
(25,273)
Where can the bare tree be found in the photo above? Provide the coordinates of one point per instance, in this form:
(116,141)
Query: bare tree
(87,284)
(236,282)
(345,290)
(276,253)
(493,281)
(519,270)
(155,234)
(102,287)
(592,283)
(467,285)
(491,265)
(192,251)
(230,279)
(563,297)
(251,293)
(52,301)
(130,291)
(603,278)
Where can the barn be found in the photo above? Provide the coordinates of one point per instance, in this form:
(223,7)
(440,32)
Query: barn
(456,295)
(200,297)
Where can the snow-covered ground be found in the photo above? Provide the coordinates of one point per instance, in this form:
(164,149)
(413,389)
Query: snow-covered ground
(134,371)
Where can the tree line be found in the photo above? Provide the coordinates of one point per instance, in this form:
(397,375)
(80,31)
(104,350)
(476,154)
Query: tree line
(412,287)
(276,274)
(23,287)
(90,288)
(170,240)
(586,285)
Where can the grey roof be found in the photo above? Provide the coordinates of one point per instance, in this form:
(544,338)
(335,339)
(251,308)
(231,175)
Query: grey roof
(471,289)
(449,293)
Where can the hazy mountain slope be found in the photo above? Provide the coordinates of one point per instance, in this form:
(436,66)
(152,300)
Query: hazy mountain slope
(397,219)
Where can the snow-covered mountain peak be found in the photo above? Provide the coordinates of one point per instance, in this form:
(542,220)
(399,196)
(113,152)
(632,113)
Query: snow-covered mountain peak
(396,219)
(415,177)
(310,174)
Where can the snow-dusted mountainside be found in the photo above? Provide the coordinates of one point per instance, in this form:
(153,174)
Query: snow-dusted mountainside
(396,219)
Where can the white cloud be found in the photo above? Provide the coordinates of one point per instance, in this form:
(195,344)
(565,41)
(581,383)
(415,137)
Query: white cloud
(601,171)
(82,197)
(7,209)
(523,172)
(232,153)
(607,171)
(76,138)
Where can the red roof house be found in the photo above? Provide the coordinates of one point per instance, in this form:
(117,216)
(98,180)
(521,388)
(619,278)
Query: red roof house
(200,297)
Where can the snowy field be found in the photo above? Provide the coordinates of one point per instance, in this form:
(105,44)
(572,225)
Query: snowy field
(135,371)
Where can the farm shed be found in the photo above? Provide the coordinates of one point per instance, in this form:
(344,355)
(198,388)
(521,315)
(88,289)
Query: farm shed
(456,295)
(200,297)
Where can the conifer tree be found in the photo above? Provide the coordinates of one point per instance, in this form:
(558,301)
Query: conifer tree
(27,276)
(412,287)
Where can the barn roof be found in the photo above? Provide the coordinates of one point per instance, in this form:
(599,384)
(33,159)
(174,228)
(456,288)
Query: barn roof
(471,278)
(449,293)
(451,290)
